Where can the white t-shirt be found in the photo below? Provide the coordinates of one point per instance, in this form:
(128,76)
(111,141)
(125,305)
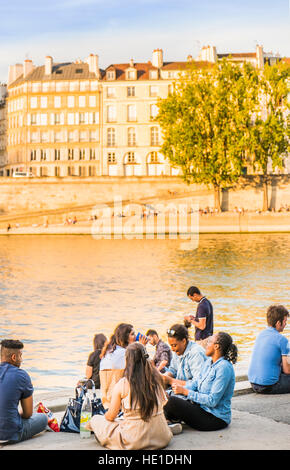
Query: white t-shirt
(114,360)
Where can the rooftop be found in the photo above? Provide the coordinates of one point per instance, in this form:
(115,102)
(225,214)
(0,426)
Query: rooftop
(61,71)
(80,71)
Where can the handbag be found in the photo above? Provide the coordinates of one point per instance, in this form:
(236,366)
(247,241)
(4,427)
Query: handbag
(72,416)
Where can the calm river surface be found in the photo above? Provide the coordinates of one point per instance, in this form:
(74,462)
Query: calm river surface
(56,292)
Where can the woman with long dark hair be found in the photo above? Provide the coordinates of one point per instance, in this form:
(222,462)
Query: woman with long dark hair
(112,363)
(93,364)
(141,395)
(207,403)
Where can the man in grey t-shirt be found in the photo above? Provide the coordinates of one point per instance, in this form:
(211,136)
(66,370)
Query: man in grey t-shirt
(163,354)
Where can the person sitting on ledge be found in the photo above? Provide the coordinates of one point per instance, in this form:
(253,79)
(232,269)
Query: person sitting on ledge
(207,404)
(163,355)
(93,364)
(141,395)
(187,360)
(112,363)
(15,387)
(269,370)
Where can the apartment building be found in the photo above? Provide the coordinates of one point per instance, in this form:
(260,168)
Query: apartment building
(75,119)
(258,58)
(3,128)
(54,119)
(131,137)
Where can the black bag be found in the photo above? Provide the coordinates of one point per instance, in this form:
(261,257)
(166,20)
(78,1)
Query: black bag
(72,416)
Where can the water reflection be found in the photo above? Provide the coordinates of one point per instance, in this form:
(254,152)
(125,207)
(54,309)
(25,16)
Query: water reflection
(57,292)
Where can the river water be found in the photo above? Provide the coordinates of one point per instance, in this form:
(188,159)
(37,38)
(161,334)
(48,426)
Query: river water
(56,292)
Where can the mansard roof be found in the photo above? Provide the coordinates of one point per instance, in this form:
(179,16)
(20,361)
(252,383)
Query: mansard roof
(61,71)
(80,71)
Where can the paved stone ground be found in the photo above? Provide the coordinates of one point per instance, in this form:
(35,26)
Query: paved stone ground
(259,422)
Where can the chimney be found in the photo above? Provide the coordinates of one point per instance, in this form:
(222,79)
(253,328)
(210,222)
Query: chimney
(208,54)
(93,61)
(48,65)
(212,54)
(27,67)
(157,58)
(131,63)
(259,57)
(14,72)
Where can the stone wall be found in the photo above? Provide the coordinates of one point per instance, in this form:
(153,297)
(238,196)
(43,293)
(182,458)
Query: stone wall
(24,195)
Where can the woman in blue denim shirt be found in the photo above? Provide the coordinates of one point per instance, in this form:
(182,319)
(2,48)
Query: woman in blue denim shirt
(188,358)
(208,397)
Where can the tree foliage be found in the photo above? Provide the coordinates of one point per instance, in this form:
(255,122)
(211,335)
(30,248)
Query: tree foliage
(270,130)
(206,123)
(212,122)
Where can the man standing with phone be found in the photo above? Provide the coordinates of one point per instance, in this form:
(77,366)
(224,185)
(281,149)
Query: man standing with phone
(203,320)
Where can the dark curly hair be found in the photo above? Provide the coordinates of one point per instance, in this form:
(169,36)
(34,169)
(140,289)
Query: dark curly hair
(178,331)
(229,349)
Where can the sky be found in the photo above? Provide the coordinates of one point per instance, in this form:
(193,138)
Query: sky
(120,30)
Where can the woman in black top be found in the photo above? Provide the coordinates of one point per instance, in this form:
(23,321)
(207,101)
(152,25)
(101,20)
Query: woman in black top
(93,364)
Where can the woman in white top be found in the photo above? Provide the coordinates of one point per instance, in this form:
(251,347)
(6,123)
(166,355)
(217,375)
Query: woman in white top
(113,361)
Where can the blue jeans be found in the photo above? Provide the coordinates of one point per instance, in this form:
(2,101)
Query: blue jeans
(282,386)
(31,426)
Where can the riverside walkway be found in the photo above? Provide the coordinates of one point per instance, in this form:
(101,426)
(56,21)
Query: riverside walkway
(259,422)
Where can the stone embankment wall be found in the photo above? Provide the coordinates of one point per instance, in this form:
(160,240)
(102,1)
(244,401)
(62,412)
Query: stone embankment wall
(23,195)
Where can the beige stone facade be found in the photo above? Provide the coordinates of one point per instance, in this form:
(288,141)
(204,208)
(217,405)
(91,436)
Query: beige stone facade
(3,129)
(75,119)
(54,120)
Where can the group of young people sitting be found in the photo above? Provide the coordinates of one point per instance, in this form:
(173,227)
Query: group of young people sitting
(185,382)
(182,383)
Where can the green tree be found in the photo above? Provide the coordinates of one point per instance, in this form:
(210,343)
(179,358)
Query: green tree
(206,123)
(270,129)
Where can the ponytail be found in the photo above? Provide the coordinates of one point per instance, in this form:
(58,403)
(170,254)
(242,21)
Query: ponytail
(229,349)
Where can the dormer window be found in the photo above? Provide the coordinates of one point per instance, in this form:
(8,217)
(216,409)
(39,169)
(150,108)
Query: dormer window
(131,74)
(111,75)
(153,74)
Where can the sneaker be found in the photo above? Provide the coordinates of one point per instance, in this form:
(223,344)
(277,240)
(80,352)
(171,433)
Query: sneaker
(176,428)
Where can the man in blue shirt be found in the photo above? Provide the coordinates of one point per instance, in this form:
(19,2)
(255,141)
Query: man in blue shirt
(15,388)
(269,370)
(203,320)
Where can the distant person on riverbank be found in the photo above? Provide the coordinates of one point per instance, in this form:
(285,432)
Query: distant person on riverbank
(15,388)
(206,403)
(188,357)
(141,395)
(8,227)
(112,362)
(93,364)
(269,370)
(203,319)
(163,355)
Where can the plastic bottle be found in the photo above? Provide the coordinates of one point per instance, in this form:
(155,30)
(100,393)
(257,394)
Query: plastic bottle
(86,414)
